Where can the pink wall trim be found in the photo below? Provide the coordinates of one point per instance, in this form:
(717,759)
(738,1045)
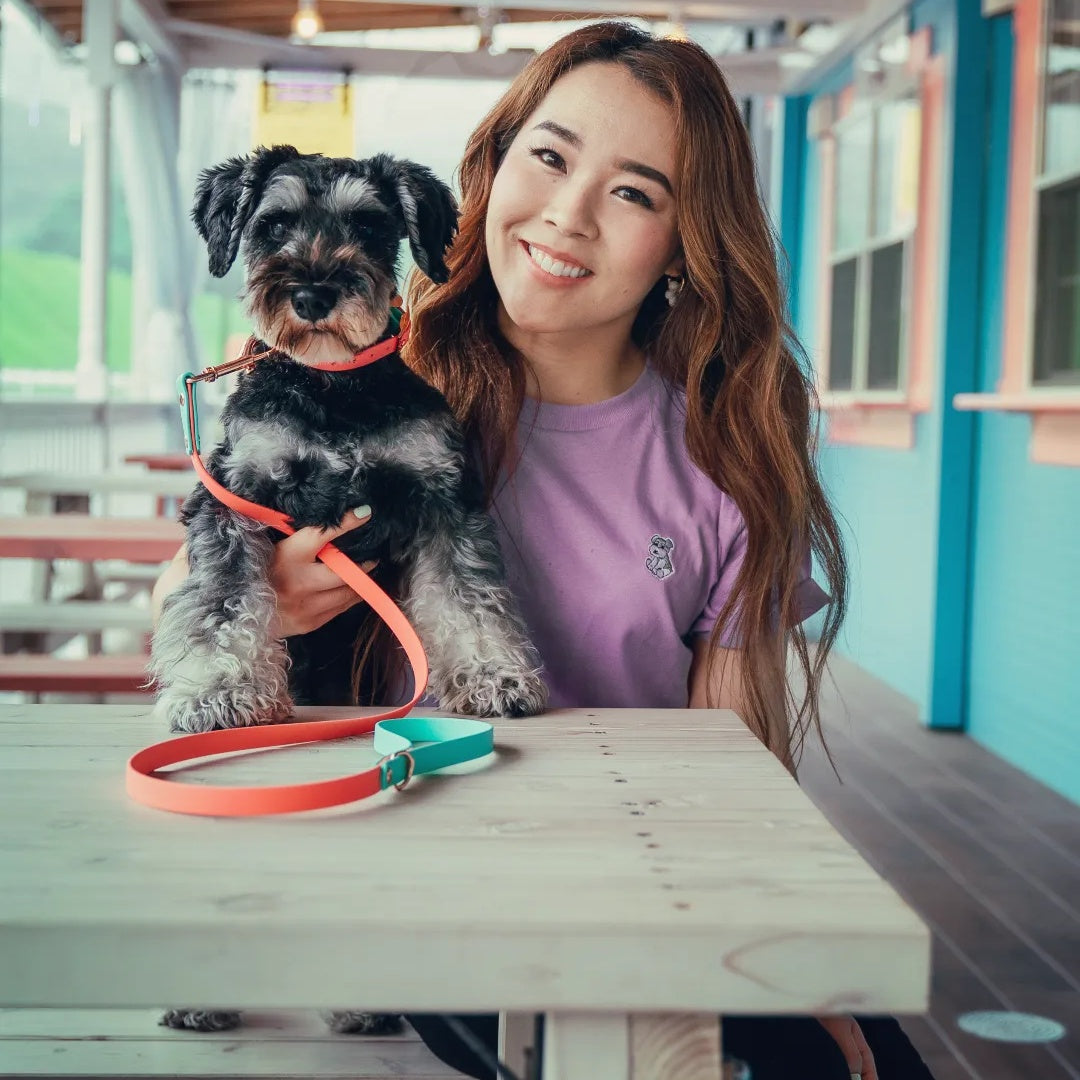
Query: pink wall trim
(1024,138)
(827,150)
(923,344)
(890,428)
(1055,438)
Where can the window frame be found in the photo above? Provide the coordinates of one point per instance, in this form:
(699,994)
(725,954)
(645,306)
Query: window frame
(863,254)
(886,418)
(1054,407)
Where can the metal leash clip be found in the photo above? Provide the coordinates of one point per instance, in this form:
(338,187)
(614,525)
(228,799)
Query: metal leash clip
(185,387)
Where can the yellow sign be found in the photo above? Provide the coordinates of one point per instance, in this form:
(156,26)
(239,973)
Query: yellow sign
(313,112)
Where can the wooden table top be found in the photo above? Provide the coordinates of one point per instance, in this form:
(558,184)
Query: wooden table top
(84,537)
(623,860)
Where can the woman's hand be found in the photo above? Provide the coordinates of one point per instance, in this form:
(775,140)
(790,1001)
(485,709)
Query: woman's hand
(849,1037)
(309,594)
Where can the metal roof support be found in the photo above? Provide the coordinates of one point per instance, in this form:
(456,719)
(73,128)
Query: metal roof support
(147,22)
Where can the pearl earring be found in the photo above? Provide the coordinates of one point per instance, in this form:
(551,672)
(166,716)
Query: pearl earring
(674,287)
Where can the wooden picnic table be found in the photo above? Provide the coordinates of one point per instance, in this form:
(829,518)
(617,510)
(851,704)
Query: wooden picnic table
(628,873)
(47,492)
(86,538)
(115,482)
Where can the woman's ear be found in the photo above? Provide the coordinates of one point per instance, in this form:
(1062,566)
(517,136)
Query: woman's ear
(677,267)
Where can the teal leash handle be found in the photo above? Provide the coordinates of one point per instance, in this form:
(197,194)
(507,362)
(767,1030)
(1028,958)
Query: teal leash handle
(447,741)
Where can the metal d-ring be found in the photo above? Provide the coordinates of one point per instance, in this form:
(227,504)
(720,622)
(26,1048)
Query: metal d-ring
(410,767)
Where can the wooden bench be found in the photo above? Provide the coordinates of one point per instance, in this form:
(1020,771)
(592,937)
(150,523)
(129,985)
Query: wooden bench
(111,674)
(128,1043)
(74,617)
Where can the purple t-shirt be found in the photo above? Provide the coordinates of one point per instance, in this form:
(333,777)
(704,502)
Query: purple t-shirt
(618,547)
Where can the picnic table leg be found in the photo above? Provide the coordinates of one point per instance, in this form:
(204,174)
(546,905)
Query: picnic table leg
(632,1046)
(517,1037)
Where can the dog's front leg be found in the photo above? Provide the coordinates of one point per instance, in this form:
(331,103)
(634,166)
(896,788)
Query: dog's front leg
(214,656)
(480,657)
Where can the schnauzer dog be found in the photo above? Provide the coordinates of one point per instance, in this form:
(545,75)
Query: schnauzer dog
(319,238)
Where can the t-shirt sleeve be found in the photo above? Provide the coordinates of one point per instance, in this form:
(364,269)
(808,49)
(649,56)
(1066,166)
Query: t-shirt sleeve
(810,598)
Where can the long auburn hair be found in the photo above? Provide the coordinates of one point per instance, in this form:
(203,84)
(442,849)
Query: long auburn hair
(751,407)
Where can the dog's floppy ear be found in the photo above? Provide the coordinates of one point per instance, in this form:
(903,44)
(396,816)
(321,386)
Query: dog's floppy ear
(426,204)
(225,198)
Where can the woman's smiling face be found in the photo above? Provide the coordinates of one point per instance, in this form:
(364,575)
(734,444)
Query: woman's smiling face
(581,220)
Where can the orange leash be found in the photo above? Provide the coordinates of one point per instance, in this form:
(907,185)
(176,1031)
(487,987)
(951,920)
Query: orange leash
(396,770)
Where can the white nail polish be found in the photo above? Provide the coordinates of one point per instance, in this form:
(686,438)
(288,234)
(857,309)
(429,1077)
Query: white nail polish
(362,511)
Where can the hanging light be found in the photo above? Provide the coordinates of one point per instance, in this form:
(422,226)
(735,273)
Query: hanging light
(307,22)
(675,28)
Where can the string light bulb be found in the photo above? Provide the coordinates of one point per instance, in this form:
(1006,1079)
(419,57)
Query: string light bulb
(307,22)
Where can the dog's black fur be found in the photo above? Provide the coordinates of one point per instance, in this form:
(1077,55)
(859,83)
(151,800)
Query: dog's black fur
(319,238)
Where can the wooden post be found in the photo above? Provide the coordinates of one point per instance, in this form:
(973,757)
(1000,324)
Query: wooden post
(99,34)
(621,1046)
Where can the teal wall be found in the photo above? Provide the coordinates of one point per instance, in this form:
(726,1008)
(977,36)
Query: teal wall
(1024,665)
(965,556)
(887,499)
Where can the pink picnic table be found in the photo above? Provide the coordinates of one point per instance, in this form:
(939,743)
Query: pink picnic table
(175,462)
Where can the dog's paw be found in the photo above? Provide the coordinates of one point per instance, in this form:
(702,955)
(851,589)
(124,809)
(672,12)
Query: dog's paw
(489,693)
(350,1022)
(200,1019)
(226,707)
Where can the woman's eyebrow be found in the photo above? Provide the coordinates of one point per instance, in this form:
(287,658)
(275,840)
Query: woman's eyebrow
(646,171)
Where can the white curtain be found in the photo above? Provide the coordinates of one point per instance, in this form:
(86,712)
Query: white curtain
(168,129)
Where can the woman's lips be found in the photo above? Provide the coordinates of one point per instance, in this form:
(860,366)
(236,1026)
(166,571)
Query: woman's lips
(545,276)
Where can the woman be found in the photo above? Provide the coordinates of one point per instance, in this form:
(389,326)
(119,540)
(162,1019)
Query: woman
(613,340)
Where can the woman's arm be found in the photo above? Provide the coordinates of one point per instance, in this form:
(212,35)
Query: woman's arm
(308,593)
(722,685)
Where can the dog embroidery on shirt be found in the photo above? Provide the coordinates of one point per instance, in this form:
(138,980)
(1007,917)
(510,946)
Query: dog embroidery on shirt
(659,561)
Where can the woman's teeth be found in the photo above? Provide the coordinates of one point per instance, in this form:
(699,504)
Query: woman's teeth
(553,266)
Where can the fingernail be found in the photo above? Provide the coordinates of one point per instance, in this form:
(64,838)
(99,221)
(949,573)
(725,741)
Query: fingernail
(362,511)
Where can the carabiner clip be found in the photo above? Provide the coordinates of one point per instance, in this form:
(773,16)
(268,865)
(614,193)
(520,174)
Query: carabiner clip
(189,410)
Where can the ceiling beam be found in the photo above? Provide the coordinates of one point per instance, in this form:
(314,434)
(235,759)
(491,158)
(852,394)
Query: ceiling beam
(873,19)
(146,21)
(216,46)
(755,11)
(757,72)
(54,36)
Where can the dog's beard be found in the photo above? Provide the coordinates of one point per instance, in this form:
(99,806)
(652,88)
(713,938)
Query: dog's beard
(351,325)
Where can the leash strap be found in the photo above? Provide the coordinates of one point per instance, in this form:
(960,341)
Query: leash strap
(449,741)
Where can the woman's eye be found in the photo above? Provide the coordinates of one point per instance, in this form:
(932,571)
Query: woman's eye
(548,156)
(634,195)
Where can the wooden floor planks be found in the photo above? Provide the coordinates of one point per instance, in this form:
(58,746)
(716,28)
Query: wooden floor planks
(984,853)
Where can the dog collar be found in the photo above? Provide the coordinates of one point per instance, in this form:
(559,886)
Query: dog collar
(246,361)
(380,349)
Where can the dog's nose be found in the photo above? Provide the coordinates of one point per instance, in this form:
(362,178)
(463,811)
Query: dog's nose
(313,302)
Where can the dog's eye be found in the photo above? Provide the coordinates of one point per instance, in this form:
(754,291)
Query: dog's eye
(364,225)
(277,230)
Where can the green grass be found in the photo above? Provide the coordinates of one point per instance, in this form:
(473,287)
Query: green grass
(39,314)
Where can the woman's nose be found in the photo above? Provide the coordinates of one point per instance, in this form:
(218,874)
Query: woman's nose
(569,209)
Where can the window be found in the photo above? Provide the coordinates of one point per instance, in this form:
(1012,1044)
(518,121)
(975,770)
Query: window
(874,214)
(1056,354)
(1040,350)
